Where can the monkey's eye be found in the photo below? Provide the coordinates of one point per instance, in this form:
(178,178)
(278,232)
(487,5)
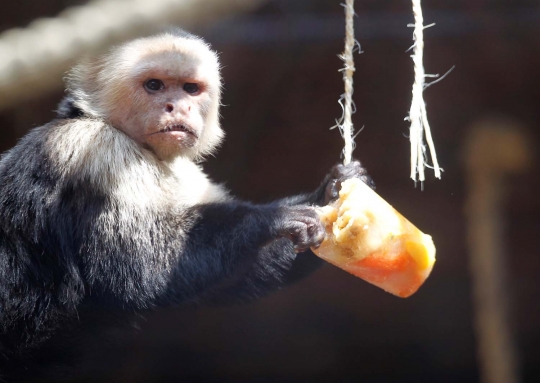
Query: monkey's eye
(153,85)
(191,87)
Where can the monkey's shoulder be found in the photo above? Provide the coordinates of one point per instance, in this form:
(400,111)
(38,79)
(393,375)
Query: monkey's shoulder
(62,151)
(25,158)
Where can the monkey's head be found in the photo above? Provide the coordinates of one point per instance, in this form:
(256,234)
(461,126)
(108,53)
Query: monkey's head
(162,91)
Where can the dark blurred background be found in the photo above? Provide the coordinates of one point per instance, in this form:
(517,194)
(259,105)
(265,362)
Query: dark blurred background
(281,86)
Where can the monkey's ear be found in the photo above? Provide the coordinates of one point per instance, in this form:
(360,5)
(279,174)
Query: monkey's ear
(82,84)
(68,109)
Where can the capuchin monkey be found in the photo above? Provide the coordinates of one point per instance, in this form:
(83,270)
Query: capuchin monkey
(107,203)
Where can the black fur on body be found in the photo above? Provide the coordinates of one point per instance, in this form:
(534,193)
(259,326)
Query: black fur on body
(65,236)
(87,215)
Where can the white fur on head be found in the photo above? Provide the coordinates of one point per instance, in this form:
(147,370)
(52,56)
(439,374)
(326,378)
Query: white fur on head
(98,86)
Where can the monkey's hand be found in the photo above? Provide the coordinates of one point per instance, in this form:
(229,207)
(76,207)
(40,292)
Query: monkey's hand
(340,173)
(301,224)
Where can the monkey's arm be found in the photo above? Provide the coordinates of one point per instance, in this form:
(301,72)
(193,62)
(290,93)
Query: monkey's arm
(277,264)
(224,242)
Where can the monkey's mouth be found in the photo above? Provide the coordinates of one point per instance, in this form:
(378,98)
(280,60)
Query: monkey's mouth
(178,128)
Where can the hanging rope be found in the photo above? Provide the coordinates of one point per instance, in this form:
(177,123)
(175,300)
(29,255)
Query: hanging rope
(417,113)
(345,122)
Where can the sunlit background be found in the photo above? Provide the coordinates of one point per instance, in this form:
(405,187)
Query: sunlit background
(281,86)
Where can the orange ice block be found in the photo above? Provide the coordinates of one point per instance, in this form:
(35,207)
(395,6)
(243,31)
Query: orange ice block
(368,238)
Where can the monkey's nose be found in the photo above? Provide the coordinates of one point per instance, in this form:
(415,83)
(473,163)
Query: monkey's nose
(169,107)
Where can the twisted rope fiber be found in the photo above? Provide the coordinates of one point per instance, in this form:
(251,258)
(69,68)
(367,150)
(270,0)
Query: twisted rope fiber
(417,113)
(345,122)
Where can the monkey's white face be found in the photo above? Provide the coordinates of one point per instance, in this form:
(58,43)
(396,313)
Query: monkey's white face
(164,111)
(163,93)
